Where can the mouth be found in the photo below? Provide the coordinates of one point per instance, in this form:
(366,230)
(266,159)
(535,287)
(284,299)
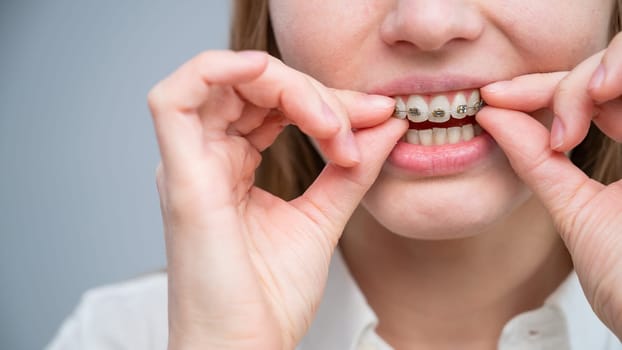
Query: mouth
(440,119)
(443,136)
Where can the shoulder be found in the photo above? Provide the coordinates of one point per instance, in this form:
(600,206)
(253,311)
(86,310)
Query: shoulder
(127,315)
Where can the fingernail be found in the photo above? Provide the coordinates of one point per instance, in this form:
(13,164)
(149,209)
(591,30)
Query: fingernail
(557,133)
(380,102)
(598,78)
(329,115)
(352,147)
(496,87)
(252,55)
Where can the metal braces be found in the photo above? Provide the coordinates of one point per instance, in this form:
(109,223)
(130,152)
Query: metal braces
(440,113)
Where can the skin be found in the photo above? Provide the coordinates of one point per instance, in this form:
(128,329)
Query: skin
(263,262)
(395,39)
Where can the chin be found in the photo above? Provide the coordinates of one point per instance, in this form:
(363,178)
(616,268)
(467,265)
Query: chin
(451,207)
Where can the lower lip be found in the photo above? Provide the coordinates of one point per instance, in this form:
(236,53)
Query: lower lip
(432,161)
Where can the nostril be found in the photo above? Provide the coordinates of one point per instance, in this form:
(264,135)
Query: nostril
(431,25)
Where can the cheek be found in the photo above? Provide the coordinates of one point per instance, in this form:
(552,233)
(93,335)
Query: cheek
(316,37)
(555,34)
(297,26)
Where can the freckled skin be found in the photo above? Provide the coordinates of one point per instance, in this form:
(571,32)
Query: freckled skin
(356,44)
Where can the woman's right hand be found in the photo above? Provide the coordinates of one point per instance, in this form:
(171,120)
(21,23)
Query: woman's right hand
(246,270)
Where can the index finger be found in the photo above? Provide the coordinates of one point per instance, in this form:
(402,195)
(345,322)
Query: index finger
(308,105)
(525,93)
(175,100)
(283,88)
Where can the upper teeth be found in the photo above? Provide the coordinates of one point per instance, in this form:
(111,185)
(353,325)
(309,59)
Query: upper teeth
(438,110)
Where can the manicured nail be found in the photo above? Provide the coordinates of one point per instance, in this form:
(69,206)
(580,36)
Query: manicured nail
(329,116)
(252,55)
(598,78)
(497,87)
(557,133)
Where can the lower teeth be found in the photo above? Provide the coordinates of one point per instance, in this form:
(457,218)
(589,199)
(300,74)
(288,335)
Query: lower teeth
(442,136)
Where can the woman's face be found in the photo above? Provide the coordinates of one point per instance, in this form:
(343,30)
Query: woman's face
(438,49)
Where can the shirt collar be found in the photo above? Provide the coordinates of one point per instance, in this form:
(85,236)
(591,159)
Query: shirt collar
(343,315)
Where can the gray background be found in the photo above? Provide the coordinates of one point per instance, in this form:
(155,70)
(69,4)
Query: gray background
(78,203)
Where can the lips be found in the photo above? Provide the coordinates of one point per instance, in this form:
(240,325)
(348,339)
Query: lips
(445,160)
(443,137)
(434,120)
(423,84)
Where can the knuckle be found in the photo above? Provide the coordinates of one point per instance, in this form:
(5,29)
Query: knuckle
(289,93)
(204,58)
(250,157)
(156,99)
(533,166)
(564,88)
(208,58)
(321,214)
(573,223)
(570,227)
(563,97)
(296,80)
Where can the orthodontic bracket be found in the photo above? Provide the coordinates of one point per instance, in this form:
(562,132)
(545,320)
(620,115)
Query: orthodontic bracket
(439,113)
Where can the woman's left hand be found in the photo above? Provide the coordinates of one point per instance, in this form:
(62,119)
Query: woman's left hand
(587,214)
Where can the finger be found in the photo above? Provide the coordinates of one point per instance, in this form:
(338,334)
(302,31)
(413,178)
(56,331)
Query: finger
(562,187)
(291,92)
(365,110)
(609,119)
(333,147)
(332,198)
(525,93)
(606,82)
(187,88)
(174,101)
(573,106)
(251,118)
(221,108)
(265,135)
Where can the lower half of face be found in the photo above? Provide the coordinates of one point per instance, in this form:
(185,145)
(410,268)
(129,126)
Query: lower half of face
(446,178)
(453,206)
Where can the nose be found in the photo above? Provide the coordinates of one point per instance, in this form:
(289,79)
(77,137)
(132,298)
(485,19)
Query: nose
(430,25)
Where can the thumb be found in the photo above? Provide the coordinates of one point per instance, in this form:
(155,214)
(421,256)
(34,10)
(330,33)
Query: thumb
(562,187)
(332,198)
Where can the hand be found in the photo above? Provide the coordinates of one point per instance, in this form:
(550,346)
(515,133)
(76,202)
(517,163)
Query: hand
(247,270)
(587,214)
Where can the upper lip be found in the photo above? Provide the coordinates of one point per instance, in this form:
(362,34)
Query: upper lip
(422,84)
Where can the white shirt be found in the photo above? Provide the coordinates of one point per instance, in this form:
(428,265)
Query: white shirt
(133,315)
